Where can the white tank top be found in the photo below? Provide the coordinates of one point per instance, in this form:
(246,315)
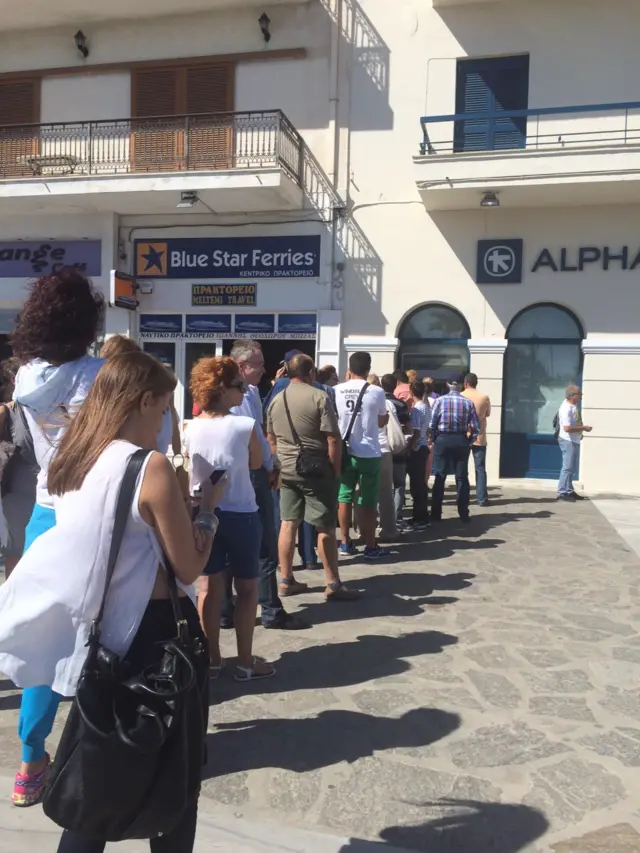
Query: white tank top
(49,602)
(215,444)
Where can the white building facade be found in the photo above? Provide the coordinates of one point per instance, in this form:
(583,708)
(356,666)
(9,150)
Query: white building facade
(448,185)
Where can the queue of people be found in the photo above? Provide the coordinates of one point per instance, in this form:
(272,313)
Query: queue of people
(222,507)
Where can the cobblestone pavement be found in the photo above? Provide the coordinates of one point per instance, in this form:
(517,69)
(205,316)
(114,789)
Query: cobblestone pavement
(483,697)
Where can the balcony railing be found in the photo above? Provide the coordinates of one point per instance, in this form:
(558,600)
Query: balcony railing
(565,128)
(205,142)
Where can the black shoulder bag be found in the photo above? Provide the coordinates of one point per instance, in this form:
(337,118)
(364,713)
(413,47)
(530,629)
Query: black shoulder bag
(310,464)
(130,758)
(347,435)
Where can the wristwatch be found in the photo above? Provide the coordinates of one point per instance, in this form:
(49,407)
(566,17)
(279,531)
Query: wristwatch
(177,460)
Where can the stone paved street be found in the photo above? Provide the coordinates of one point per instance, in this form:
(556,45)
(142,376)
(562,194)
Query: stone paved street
(483,697)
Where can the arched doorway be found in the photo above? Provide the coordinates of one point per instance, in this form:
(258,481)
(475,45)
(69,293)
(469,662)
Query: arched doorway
(543,356)
(434,341)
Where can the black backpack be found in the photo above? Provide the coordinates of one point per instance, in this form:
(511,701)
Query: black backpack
(556,425)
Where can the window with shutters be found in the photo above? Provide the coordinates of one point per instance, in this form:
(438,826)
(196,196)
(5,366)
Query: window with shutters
(19,139)
(492,86)
(179,119)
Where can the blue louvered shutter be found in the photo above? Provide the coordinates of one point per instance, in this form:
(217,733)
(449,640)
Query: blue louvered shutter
(491,86)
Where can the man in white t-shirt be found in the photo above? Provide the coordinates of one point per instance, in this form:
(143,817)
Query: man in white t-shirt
(362,466)
(569,438)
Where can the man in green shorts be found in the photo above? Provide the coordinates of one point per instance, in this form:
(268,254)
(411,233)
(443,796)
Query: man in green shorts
(302,417)
(363,415)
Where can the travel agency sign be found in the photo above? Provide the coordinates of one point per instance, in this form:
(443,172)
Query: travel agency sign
(297,256)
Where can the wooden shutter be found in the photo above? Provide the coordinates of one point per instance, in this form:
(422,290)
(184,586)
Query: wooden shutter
(157,141)
(209,94)
(19,107)
(490,86)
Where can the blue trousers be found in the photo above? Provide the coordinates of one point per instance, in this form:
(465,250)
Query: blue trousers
(39,704)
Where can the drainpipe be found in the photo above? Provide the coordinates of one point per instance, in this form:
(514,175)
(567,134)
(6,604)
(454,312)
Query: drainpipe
(336,296)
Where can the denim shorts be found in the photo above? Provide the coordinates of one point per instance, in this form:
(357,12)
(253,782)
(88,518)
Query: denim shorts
(236,545)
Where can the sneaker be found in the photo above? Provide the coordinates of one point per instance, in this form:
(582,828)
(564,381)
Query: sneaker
(570,498)
(376,553)
(578,497)
(29,788)
(288,622)
(348,549)
(420,525)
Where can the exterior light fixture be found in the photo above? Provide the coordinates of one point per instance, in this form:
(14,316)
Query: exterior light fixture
(490,200)
(81,43)
(188,199)
(265,22)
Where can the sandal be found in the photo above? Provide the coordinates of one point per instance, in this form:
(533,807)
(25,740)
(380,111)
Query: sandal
(292,587)
(244,673)
(216,671)
(340,592)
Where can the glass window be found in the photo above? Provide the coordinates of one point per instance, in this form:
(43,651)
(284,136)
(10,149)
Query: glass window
(164,351)
(435,322)
(545,321)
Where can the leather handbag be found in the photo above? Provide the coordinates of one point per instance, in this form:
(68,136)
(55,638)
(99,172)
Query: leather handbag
(130,758)
(310,465)
(347,435)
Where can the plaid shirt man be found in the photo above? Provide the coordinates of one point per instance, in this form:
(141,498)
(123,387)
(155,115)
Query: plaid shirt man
(453,414)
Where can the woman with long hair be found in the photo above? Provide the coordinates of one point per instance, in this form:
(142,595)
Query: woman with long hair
(226,442)
(169,435)
(58,323)
(48,605)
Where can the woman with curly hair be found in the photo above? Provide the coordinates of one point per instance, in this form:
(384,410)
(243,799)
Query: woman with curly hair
(218,440)
(58,323)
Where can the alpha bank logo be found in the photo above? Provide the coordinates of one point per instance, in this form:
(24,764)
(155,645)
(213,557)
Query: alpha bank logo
(499,261)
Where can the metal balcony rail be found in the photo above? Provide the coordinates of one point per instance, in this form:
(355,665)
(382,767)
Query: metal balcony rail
(185,143)
(572,128)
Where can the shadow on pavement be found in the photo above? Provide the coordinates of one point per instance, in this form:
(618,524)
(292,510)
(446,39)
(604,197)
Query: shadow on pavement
(307,744)
(468,827)
(481,524)
(404,594)
(339,664)
(430,546)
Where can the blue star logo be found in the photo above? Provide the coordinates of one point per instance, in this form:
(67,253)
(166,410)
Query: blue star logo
(154,259)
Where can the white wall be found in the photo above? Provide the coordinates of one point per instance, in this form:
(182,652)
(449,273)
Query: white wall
(86,97)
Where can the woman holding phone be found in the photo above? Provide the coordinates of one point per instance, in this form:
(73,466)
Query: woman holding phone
(219,441)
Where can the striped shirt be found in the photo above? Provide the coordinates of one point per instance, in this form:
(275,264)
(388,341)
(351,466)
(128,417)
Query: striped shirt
(453,414)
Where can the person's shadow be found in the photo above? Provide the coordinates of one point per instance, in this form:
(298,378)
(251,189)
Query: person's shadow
(471,827)
(339,664)
(404,594)
(309,743)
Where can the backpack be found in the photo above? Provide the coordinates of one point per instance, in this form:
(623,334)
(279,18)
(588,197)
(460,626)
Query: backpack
(556,425)
(16,443)
(395,435)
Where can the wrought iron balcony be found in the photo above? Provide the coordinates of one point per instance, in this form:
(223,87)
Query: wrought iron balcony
(571,128)
(207,142)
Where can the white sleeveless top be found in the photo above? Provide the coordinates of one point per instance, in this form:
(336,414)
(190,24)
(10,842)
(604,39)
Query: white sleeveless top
(53,595)
(215,444)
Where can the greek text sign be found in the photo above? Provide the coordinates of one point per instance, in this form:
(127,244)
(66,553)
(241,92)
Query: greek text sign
(24,260)
(224,294)
(297,256)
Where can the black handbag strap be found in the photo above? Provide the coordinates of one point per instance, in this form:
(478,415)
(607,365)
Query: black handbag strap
(123,507)
(294,433)
(356,410)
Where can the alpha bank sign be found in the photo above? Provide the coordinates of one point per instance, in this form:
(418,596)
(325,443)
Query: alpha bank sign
(504,262)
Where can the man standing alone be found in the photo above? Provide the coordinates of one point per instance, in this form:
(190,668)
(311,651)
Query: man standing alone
(362,412)
(570,433)
(454,428)
(479,449)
